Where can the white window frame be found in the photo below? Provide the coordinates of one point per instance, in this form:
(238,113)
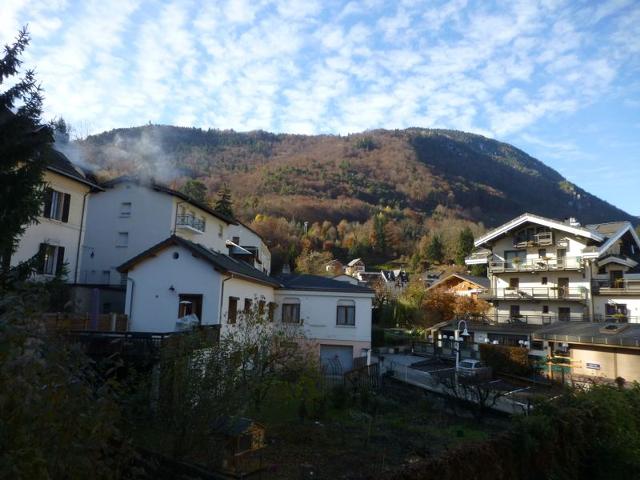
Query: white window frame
(120,237)
(347,310)
(125,209)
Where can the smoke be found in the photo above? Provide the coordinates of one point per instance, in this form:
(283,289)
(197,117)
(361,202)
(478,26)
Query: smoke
(137,152)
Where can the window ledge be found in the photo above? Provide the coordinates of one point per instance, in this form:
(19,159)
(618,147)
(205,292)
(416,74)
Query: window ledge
(345,326)
(122,246)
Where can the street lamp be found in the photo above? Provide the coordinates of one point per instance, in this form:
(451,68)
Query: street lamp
(458,340)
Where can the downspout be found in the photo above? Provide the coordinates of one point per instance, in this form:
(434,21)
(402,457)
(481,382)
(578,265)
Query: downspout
(133,284)
(222,297)
(82,221)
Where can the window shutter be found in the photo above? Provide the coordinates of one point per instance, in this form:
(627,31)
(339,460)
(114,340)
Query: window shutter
(48,193)
(60,260)
(41,257)
(65,207)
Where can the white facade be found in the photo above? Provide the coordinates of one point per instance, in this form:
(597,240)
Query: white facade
(318,313)
(57,233)
(131,216)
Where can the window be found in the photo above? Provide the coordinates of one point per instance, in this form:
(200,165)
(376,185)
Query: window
(542,252)
(220,230)
(190,304)
(545,309)
(544,280)
(514,311)
(261,305)
(514,283)
(125,209)
(564,314)
(291,310)
(232,313)
(52,259)
(346,313)
(537,345)
(247,305)
(123,239)
(272,311)
(56,205)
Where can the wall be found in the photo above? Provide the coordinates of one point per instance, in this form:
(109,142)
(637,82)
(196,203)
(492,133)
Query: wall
(242,289)
(318,311)
(215,232)
(250,238)
(614,362)
(150,222)
(55,232)
(155,307)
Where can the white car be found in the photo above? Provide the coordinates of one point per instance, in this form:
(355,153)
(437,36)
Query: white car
(470,367)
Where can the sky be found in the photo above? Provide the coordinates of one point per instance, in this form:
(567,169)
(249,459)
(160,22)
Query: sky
(558,79)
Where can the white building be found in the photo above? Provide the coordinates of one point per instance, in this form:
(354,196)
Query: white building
(60,229)
(177,277)
(132,214)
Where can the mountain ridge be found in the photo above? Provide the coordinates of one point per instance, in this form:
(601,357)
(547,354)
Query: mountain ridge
(318,177)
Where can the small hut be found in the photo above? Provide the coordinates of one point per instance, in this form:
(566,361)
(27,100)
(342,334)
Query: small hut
(243,441)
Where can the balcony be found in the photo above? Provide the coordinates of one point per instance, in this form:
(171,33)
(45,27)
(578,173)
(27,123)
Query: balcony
(190,222)
(538,319)
(536,293)
(619,287)
(542,239)
(536,265)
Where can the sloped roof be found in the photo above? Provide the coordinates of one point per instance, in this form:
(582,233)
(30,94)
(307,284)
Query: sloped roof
(160,187)
(319,284)
(354,261)
(60,164)
(219,261)
(482,282)
(548,222)
(607,229)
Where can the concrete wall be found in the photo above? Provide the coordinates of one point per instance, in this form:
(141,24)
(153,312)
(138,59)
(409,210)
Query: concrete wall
(242,289)
(318,311)
(153,307)
(54,232)
(149,223)
(215,232)
(612,362)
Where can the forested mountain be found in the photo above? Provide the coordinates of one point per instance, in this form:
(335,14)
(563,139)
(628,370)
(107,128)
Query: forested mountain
(416,182)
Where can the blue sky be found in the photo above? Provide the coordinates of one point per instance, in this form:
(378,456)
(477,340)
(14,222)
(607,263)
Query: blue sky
(559,79)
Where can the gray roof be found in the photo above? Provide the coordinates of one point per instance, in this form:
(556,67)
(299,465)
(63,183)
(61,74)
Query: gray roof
(60,164)
(607,229)
(219,261)
(318,283)
(622,335)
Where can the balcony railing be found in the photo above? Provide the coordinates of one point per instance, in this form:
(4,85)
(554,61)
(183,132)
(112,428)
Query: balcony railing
(536,293)
(620,287)
(536,265)
(539,239)
(190,222)
(616,318)
(537,319)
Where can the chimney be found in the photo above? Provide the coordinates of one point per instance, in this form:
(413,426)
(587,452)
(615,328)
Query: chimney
(574,222)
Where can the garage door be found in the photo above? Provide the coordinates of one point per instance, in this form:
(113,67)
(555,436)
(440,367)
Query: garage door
(336,359)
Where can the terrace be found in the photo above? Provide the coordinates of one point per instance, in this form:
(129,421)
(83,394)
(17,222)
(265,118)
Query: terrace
(536,293)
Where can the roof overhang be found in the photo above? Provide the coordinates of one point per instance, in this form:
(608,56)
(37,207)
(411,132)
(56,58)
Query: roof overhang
(546,222)
(614,238)
(448,277)
(627,262)
(58,171)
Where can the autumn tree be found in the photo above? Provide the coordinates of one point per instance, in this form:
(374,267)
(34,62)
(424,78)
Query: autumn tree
(440,305)
(23,146)
(313,262)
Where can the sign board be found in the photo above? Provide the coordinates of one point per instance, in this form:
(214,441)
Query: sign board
(593,366)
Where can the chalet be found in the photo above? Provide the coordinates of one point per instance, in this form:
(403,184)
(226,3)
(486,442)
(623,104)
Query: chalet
(354,267)
(462,284)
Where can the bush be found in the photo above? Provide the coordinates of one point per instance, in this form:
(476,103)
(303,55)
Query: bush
(510,360)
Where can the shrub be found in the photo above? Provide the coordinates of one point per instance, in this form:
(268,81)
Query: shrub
(510,360)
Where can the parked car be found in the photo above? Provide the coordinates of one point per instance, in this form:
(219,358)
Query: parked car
(470,367)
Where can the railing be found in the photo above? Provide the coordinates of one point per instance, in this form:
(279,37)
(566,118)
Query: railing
(616,318)
(189,221)
(539,319)
(542,239)
(537,265)
(109,322)
(621,287)
(531,293)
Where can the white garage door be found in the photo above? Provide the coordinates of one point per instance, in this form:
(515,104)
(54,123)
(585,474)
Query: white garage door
(336,359)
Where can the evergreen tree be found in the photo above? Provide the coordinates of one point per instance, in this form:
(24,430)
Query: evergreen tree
(196,190)
(224,205)
(435,250)
(23,145)
(465,245)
